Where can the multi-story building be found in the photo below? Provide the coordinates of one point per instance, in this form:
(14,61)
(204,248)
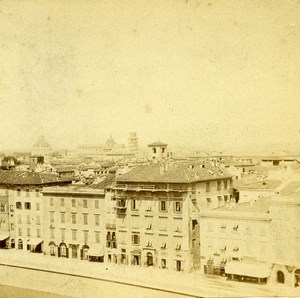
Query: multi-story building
(156,207)
(25,223)
(236,238)
(285,231)
(75,221)
(257,241)
(4,220)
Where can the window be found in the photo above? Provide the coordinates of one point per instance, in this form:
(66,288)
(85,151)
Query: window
(220,200)
(74,234)
(19,218)
(226,198)
(37,192)
(154,150)
(62,217)
(11,208)
(18,205)
(27,205)
(225,184)
(162,206)
(28,219)
(12,226)
(208,200)
(73,203)
(2,207)
(97,237)
(63,234)
(85,219)
(51,216)
(177,207)
(236,248)
(178,247)
(164,245)
(149,244)
(18,192)
(133,205)
(218,185)
(97,219)
(96,204)
(28,232)
(135,239)
(38,222)
(149,226)
(73,218)
(20,232)
(163,263)
(207,187)
(51,202)
(85,204)
(51,233)
(62,202)
(235,228)
(38,233)
(85,236)
(113,236)
(27,192)
(37,206)
(223,227)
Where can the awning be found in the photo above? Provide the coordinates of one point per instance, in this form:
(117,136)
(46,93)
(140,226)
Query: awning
(96,250)
(34,241)
(3,236)
(248,269)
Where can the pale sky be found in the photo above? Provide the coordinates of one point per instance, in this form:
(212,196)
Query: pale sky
(220,74)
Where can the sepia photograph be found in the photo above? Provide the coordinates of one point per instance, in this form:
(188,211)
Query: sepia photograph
(149,148)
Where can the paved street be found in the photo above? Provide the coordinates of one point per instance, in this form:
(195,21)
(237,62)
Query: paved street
(69,278)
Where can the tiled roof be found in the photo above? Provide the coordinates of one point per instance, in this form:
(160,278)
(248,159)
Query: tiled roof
(174,174)
(261,205)
(261,185)
(26,178)
(290,188)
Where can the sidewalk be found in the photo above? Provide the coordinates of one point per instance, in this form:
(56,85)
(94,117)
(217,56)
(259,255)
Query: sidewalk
(192,284)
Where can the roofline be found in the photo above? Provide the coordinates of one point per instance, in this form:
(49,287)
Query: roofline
(186,182)
(234,214)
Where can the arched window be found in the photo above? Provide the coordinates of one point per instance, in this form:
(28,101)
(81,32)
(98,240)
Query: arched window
(280,277)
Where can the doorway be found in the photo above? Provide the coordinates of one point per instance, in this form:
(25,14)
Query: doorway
(149,259)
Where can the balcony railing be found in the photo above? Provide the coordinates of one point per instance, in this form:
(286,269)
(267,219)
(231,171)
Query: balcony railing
(150,187)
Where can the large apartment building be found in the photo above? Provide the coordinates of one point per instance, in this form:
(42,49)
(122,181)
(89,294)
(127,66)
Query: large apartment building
(75,221)
(256,241)
(156,214)
(22,192)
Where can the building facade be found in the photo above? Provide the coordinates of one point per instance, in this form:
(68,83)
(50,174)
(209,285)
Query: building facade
(156,223)
(74,222)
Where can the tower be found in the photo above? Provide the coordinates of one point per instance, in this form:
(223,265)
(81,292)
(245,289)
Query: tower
(133,142)
(157,151)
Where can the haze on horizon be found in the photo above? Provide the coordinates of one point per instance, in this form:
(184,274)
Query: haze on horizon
(207,74)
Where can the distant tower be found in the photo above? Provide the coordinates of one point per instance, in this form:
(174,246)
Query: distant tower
(157,151)
(133,143)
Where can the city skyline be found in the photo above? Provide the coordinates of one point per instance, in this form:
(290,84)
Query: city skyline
(173,70)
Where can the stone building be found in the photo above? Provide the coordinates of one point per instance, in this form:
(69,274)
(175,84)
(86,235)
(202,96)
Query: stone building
(156,214)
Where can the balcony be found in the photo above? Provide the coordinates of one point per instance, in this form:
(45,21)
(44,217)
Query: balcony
(121,207)
(111,226)
(151,187)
